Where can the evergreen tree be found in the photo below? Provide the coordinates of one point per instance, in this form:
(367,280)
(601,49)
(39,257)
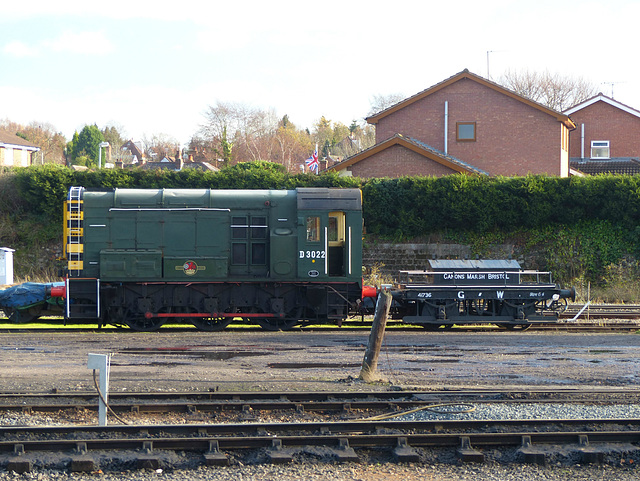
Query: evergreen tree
(85,146)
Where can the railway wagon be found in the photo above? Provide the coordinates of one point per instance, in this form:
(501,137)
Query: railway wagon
(141,257)
(457,291)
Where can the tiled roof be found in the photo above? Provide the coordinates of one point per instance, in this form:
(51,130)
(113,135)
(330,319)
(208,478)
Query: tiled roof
(7,138)
(620,165)
(206,166)
(602,98)
(465,74)
(420,147)
(450,158)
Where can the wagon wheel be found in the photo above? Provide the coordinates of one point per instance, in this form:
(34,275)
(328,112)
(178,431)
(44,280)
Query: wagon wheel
(514,327)
(430,326)
(276,324)
(555,307)
(434,326)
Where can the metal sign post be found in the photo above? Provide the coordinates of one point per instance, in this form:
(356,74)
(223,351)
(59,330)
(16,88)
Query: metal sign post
(102,363)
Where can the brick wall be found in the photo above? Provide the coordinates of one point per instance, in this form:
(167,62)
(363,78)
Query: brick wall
(397,257)
(603,121)
(398,161)
(512,138)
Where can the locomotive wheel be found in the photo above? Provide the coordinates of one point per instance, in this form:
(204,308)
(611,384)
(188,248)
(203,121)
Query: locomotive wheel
(275,324)
(136,320)
(202,323)
(211,323)
(430,326)
(143,324)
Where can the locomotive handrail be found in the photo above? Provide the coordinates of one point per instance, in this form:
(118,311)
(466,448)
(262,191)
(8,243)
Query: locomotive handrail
(167,209)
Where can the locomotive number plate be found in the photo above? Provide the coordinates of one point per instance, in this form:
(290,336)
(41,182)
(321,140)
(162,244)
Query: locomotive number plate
(312,254)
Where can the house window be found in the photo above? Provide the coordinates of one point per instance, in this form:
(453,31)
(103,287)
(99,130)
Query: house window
(465,131)
(600,149)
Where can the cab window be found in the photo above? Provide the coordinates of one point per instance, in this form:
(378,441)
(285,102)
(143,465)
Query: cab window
(333,229)
(313,229)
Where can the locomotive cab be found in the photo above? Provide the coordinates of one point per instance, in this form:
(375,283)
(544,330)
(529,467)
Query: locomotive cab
(329,233)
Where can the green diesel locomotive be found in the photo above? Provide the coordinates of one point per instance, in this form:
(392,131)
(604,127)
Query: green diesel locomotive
(277,257)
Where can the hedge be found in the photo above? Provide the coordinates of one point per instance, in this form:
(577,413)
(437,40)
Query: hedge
(581,225)
(407,207)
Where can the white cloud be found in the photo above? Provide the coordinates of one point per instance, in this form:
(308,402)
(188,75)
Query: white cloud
(19,49)
(89,43)
(93,43)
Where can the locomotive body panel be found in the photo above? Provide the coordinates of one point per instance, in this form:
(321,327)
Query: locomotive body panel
(213,254)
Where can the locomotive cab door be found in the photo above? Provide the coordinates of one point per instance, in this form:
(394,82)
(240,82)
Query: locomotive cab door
(336,244)
(324,247)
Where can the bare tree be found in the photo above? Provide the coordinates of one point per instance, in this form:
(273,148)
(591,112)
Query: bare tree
(42,134)
(555,91)
(250,130)
(293,145)
(381,102)
(157,146)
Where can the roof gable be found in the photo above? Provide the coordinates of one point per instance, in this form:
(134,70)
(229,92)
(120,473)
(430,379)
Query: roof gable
(465,74)
(9,139)
(417,146)
(132,147)
(602,98)
(619,166)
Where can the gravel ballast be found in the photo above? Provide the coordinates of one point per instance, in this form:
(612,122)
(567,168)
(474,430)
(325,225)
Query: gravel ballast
(331,472)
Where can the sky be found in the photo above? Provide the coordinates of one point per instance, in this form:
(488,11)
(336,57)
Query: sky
(154,68)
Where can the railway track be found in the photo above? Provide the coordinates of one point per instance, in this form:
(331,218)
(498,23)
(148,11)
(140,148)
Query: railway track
(603,311)
(354,431)
(86,448)
(299,402)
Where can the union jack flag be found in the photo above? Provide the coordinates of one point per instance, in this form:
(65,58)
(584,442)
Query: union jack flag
(312,162)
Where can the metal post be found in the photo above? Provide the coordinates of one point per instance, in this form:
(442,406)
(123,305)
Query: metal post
(102,363)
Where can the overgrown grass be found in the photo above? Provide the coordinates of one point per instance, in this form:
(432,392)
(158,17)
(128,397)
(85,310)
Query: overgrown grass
(374,276)
(621,284)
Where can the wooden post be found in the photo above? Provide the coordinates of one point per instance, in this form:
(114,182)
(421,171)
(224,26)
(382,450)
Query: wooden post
(370,362)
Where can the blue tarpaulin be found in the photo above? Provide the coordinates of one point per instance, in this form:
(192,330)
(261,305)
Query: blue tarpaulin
(26,294)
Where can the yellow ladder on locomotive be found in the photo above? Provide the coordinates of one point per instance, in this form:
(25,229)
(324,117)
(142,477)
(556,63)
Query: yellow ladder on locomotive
(83,295)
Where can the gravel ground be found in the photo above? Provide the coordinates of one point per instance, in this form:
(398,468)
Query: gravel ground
(239,360)
(483,411)
(294,361)
(385,472)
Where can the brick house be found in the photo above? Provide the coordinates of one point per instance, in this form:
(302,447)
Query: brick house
(132,152)
(15,151)
(464,124)
(606,138)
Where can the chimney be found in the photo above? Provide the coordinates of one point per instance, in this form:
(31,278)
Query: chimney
(179,161)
